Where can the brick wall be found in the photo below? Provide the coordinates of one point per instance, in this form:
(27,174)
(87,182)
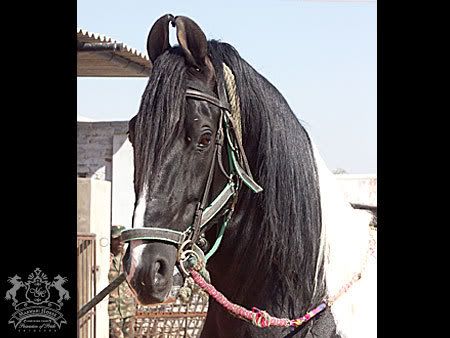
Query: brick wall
(95,147)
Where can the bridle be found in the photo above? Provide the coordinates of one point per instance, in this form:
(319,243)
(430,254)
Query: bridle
(188,241)
(193,236)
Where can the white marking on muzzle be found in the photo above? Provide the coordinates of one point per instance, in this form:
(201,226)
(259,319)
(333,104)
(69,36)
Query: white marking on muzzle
(139,212)
(136,250)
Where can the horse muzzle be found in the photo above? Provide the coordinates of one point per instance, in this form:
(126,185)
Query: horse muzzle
(149,269)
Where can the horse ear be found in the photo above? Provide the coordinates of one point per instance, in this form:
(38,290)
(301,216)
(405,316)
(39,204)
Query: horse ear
(158,38)
(192,40)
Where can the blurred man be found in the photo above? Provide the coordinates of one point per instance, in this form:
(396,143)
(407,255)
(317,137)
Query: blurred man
(122,306)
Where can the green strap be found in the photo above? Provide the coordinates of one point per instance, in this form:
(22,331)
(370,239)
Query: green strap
(248,181)
(218,241)
(234,163)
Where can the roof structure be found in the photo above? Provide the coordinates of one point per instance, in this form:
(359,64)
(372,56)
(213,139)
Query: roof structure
(81,118)
(101,56)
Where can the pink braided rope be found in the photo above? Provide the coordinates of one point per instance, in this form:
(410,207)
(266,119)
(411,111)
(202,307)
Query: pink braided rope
(261,318)
(257,317)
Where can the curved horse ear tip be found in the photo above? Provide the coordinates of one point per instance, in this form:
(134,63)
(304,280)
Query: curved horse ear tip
(176,18)
(172,21)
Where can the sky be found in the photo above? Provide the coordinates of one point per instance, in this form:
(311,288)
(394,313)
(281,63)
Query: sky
(320,54)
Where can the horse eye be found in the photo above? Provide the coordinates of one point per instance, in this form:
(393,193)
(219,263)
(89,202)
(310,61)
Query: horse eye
(204,140)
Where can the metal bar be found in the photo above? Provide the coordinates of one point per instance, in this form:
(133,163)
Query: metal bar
(86,318)
(102,294)
(94,276)
(78,284)
(364,207)
(86,283)
(78,274)
(99,46)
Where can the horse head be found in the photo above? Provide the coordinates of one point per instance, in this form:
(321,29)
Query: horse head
(16,280)
(173,138)
(189,161)
(59,280)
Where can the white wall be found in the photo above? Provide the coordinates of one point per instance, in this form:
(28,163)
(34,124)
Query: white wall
(360,189)
(122,181)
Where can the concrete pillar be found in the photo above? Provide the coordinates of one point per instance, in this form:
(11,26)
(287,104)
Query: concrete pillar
(94,216)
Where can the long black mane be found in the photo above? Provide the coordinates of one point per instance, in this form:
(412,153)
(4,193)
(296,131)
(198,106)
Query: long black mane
(275,235)
(280,234)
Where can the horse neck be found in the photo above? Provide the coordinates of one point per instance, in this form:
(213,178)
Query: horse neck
(228,268)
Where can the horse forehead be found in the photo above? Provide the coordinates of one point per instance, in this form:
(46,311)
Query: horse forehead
(199,110)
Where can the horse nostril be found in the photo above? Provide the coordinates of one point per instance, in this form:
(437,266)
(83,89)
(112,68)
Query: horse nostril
(160,271)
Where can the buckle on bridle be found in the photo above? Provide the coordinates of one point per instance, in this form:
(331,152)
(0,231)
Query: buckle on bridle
(192,258)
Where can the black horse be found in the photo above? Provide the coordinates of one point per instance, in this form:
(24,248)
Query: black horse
(275,251)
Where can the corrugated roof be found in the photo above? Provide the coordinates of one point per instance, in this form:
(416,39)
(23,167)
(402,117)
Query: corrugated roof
(128,62)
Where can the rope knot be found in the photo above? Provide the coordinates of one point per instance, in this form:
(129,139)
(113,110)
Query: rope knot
(260,318)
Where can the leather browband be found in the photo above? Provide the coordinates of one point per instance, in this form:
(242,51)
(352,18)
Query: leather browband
(196,94)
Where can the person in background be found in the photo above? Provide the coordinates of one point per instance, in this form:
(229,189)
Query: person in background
(122,305)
